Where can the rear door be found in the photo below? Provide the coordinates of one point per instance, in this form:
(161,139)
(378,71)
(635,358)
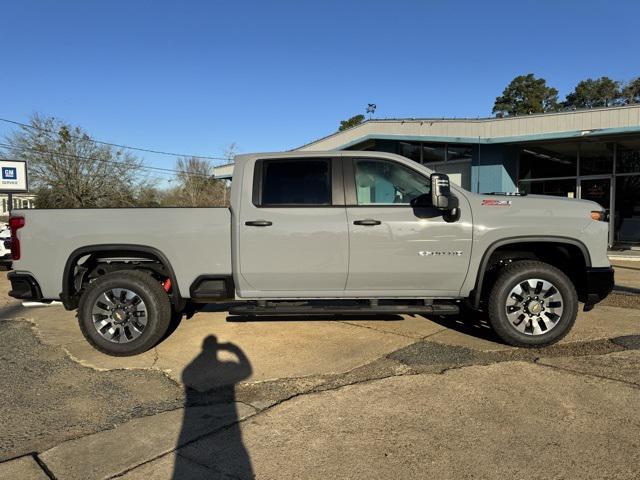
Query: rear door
(395,248)
(293,234)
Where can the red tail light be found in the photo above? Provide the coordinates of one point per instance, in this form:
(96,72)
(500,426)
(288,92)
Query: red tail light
(15,224)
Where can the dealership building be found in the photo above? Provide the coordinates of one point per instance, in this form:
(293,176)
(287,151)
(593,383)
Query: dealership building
(591,154)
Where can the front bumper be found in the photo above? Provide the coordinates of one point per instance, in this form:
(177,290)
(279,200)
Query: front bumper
(599,283)
(24,287)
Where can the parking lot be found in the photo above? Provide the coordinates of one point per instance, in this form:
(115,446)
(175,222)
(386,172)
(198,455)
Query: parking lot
(325,397)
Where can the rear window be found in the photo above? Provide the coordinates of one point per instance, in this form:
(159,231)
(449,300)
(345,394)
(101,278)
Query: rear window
(296,182)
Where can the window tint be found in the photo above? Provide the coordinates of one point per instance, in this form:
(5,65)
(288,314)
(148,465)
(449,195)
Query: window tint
(387,183)
(296,182)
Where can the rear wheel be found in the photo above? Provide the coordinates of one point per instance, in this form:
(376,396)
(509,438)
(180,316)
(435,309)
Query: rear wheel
(532,304)
(124,313)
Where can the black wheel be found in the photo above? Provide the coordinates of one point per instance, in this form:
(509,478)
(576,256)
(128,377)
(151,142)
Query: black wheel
(532,304)
(124,313)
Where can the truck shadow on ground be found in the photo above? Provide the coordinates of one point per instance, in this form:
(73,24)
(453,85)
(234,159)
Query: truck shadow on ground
(474,324)
(210,383)
(314,318)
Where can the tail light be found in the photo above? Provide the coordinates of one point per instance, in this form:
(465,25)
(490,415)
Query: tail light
(15,224)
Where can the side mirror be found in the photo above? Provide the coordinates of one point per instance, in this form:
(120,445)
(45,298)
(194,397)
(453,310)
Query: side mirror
(422,201)
(441,192)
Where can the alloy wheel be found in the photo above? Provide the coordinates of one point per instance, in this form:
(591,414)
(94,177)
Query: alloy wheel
(534,306)
(119,315)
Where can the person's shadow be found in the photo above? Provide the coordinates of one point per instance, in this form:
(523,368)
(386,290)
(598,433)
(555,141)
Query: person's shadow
(209,383)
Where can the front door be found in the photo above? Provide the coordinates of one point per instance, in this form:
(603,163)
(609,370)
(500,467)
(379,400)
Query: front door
(293,235)
(395,248)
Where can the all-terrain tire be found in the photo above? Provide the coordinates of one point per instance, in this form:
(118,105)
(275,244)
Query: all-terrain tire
(515,274)
(156,301)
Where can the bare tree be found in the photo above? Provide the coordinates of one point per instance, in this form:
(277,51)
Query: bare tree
(197,186)
(230,152)
(67,169)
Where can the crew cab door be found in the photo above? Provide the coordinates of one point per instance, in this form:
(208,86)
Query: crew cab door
(395,248)
(293,235)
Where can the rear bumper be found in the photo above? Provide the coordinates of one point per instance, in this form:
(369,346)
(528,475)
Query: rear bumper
(5,259)
(599,283)
(24,287)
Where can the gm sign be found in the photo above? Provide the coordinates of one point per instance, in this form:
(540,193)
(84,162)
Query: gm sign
(9,173)
(13,176)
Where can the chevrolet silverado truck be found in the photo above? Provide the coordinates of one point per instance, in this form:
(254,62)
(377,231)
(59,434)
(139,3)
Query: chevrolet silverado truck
(341,232)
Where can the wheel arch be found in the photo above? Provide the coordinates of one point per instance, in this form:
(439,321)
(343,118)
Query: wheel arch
(69,295)
(505,244)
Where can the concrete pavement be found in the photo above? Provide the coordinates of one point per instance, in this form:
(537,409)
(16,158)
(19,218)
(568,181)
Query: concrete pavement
(399,397)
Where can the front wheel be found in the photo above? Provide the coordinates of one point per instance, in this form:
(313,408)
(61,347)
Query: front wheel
(532,304)
(124,313)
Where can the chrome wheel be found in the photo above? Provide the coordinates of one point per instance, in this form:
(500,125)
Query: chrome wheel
(534,306)
(119,315)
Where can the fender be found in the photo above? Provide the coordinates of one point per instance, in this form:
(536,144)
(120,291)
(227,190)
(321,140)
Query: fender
(475,294)
(67,295)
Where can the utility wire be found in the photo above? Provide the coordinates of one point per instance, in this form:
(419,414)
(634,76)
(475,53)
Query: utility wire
(114,162)
(139,149)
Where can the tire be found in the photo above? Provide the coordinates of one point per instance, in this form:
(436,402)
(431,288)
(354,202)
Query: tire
(543,316)
(145,313)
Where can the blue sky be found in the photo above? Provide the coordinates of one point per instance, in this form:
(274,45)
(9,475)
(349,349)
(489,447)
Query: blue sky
(191,77)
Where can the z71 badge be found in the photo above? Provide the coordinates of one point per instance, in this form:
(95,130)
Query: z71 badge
(496,203)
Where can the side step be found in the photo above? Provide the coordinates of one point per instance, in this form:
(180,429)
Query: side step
(291,308)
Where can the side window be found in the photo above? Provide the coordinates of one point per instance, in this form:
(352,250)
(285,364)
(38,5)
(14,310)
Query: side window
(296,182)
(379,182)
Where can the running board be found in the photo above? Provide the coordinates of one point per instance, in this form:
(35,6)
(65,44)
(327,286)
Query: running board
(284,309)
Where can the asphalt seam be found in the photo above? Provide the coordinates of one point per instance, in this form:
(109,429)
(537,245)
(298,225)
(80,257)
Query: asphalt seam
(156,357)
(435,333)
(43,466)
(578,373)
(346,322)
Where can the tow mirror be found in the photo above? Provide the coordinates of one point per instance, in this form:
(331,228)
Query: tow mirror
(441,192)
(422,201)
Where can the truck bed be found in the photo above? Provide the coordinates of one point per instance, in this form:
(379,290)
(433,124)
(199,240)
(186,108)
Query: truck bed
(196,241)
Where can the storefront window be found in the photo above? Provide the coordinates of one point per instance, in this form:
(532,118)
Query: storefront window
(459,152)
(596,158)
(409,150)
(558,188)
(433,152)
(627,215)
(628,157)
(546,160)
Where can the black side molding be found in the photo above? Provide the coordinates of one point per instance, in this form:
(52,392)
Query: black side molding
(212,288)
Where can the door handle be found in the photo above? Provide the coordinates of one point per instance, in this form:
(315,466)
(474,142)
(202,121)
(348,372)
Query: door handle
(258,223)
(369,222)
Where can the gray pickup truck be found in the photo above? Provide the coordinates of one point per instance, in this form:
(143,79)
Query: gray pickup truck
(322,232)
